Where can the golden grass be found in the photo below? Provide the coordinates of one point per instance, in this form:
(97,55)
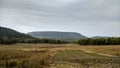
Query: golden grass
(112,50)
(81,59)
(40,55)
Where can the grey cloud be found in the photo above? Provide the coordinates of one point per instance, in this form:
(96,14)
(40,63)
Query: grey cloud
(64,15)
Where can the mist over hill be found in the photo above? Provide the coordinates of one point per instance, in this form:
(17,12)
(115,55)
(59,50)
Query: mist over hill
(56,35)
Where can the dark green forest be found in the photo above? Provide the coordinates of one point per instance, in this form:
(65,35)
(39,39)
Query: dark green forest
(99,41)
(30,40)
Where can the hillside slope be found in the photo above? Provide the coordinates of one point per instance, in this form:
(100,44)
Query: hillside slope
(10,33)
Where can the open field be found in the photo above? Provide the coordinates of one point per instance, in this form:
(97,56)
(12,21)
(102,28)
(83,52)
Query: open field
(59,56)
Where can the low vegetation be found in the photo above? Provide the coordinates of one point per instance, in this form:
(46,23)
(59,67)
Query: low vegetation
(58,56)
(17,58)
(80,59)
(111,49)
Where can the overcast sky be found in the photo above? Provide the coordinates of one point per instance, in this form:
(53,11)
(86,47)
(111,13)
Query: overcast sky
(88,17)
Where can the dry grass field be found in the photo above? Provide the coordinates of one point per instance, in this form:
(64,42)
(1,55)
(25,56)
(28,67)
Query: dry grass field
(59,56)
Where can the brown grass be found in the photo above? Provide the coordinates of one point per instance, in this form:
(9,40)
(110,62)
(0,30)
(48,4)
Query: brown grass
(41,55)
(81,59)
(112,50)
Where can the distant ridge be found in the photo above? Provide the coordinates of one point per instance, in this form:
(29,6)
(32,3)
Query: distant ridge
(56,35)
(10,33)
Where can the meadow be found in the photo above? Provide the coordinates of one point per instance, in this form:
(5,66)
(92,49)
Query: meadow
(59,56)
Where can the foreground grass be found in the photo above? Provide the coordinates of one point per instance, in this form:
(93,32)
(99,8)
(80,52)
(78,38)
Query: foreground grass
(58,56)
(80,59)
(112,49)
(14,57)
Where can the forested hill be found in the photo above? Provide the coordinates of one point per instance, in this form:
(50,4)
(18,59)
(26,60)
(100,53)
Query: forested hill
(10,33)
(56,35)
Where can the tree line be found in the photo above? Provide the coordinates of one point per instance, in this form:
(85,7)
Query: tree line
(88,41)
(99,41)
(30,40)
